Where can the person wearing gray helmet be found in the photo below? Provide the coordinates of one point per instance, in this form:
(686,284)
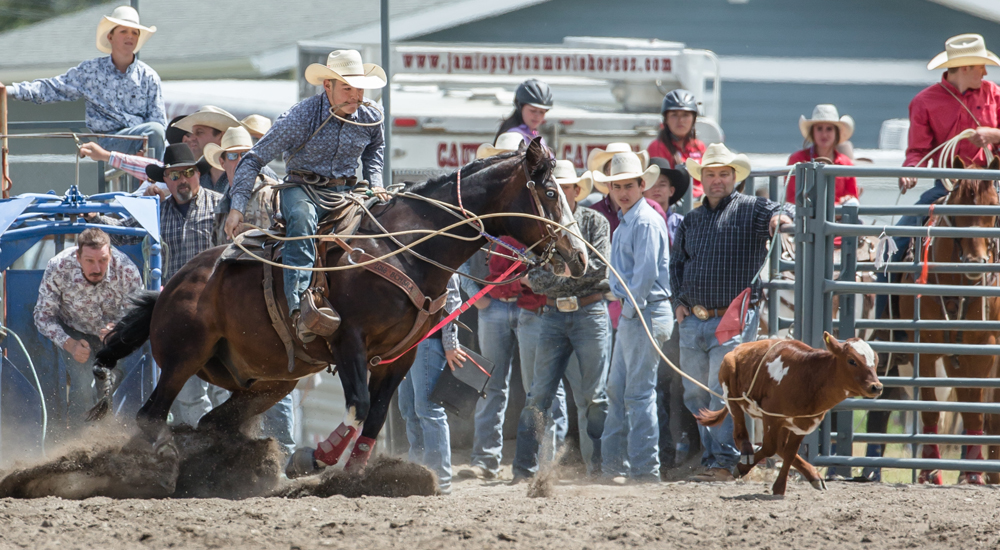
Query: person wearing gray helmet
(677,140)
(532,100)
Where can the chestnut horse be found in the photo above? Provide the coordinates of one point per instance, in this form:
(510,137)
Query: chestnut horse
(211,321)
(971,250)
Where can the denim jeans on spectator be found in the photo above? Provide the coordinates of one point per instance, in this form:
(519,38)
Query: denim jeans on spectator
(279,422)
(528,327)
(498,340)
(629,446)
(154,131)
(665,398)
(701,358)
(426,421)
(587,332)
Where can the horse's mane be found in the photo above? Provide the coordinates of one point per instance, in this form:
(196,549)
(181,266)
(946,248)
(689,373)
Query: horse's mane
(467,170)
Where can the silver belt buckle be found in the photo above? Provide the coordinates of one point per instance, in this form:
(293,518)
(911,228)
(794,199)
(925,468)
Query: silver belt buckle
(567,305)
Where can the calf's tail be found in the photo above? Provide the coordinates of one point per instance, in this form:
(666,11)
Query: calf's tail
(709,418)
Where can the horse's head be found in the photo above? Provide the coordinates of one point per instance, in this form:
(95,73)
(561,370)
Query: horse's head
(538,194)
(974,192)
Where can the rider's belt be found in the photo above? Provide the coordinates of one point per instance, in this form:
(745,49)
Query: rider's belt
(573,303)
(704,314)
(509,300)
(302,177)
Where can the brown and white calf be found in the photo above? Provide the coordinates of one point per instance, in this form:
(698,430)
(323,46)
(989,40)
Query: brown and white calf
(795,387)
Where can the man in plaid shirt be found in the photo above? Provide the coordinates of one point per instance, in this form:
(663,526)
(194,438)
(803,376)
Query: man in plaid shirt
(717,251)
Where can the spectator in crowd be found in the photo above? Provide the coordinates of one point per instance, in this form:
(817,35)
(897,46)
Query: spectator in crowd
(678,428)
(677,140)
(718,250)
(426,421)
(574,320)
(84,292)
(206,126)
(640,252)
(123,94)
(532,100)
(825,131)
(263,204)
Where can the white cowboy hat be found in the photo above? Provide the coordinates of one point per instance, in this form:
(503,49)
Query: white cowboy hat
(236,139)
(346,66)
(506,142)
(718,154)
(257,125)
(565,174)
(210,116)
(962,51)
(123,16)
(626,166)
(827,113)
(597,158)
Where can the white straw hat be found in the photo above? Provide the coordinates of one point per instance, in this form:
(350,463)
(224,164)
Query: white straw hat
(962,51)
(828,114)
(506,142)
(257,125)
(235,139)
(346,66)
(565,174)
(718,154)
(210,116)
(597,158)
(626,166)
(123,16)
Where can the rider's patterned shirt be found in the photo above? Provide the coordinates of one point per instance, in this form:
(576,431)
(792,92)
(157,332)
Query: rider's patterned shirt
(595,230)
(718,251)
(115,100)
(333,152)
(67,297)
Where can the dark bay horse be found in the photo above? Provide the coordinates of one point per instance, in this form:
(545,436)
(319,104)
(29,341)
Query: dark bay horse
(211,320)
(973,250)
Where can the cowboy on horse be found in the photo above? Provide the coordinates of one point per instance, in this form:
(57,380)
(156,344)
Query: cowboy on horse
(321,139)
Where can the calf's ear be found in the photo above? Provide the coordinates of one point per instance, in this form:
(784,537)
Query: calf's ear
(832,343)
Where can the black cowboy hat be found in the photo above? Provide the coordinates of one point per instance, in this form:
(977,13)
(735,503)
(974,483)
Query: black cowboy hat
(178,155)
(679,178)
(174,134)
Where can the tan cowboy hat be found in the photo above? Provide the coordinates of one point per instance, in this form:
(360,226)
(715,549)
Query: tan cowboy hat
(599,157)
(565,174)
(257,125)
(236,139)
(827,113)
(210,116)
(626,166)
(718,154)
(962,51)
(123,16)
(346,66)
(506,142)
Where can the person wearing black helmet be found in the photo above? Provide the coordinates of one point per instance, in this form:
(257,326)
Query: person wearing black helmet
(532,100)
(677,141)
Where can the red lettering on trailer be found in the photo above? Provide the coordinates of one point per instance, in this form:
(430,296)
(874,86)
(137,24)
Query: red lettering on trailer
(434,61)
(469,152)
(407,61)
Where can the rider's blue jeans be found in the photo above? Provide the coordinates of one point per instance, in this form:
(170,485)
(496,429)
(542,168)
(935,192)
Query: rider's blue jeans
(155,137)
(302,217)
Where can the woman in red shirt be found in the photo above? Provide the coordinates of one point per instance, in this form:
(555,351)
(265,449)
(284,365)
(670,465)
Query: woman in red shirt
(677,141)
(825,131)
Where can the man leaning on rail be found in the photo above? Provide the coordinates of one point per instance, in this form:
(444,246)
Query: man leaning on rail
(321,139)
(123,94)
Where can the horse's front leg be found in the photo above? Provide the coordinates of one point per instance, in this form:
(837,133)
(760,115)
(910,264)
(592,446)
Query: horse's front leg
(928,366)
(972,367)
(381,386)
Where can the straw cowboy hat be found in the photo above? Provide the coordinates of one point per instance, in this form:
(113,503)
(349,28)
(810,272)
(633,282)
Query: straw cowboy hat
(626,166)
(828,114)
(718,154)
(210,116)
(346,66)
(597,158)
(679,178)
(565,174)
(257,125)
(123,16)
(962,51)
(506,142)
(236,139)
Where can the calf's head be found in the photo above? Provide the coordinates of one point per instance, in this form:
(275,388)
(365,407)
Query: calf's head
(856,364)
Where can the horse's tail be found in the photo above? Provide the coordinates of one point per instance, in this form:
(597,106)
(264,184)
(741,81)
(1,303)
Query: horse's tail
(709,418)
(130,333)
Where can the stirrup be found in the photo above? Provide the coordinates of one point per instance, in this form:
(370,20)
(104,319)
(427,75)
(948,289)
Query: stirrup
(320,320)
(301,331)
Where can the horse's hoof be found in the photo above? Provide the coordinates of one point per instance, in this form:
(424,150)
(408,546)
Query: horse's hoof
(971,478)
(933,477)
(302,464)
(819,485)
(164,446)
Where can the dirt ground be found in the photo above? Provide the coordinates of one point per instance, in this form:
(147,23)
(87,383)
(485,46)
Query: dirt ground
(482,515)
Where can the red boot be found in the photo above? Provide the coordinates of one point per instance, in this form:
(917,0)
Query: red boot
(360,455)
(933,452)
(973,452)
(329,451)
